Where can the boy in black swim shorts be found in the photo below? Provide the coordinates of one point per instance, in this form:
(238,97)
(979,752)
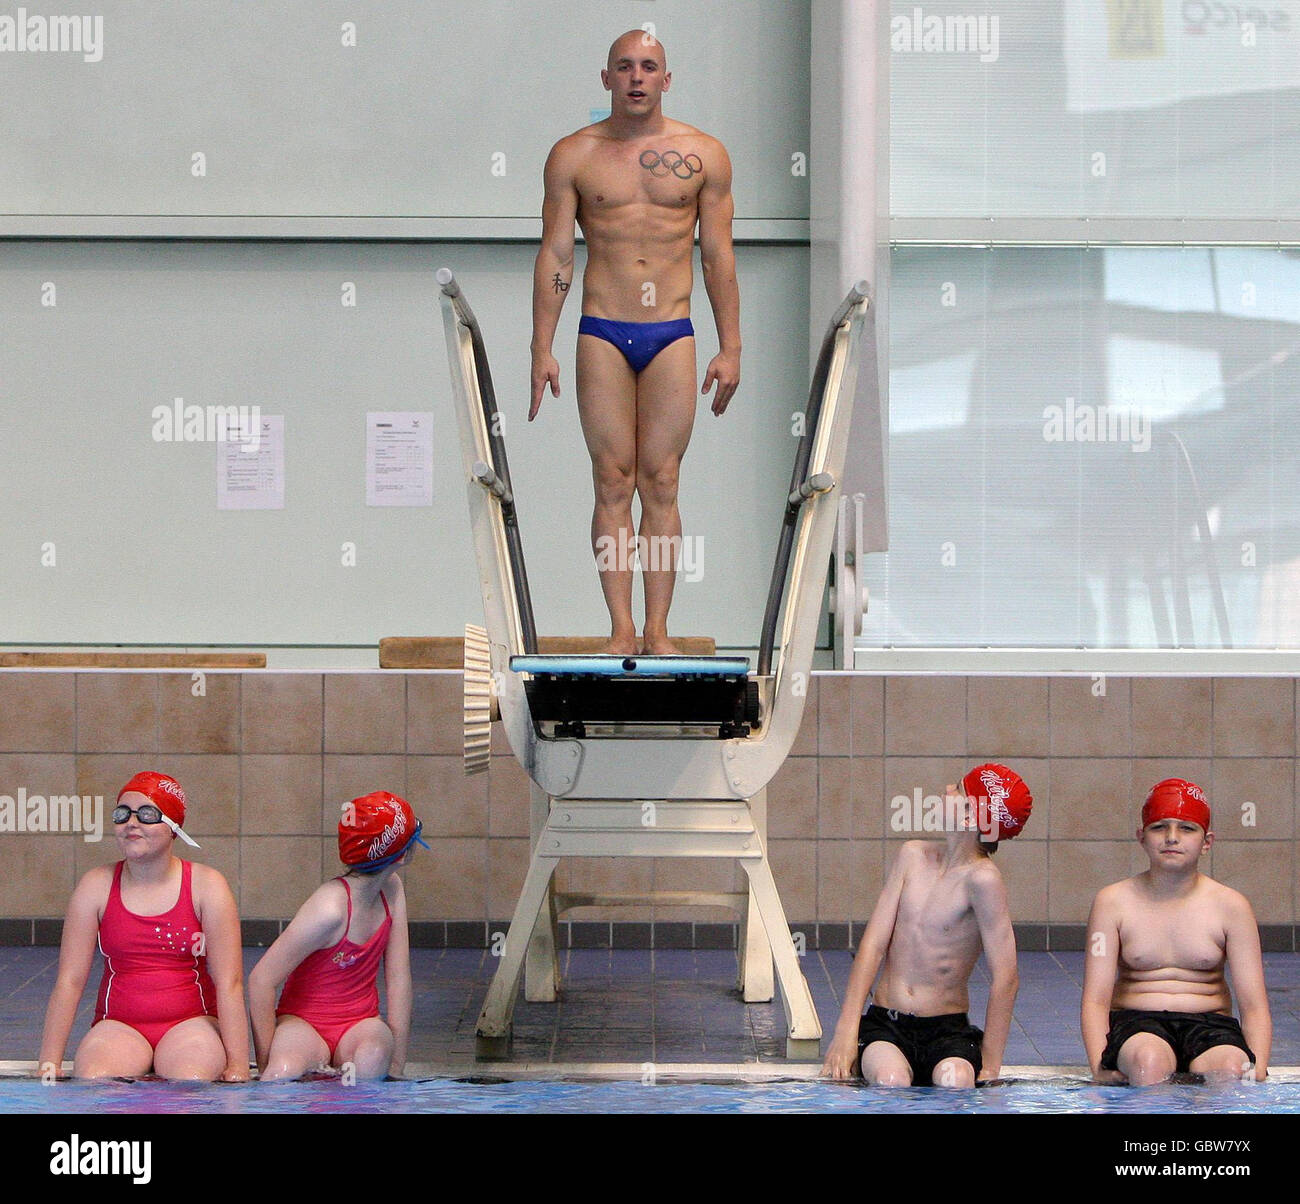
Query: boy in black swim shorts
(1155,997)
(1188,1034)
(942,904)
(925,1041)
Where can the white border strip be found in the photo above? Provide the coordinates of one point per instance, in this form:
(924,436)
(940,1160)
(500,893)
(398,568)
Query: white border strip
(1051,662)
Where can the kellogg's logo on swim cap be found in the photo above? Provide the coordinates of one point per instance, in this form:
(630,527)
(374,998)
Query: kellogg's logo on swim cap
(387,838)
(1003,800)
(375,826)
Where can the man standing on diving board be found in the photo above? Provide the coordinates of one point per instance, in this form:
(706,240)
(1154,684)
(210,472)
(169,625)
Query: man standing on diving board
(637,183)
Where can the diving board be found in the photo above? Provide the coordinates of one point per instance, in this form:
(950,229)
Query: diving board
(639,666)
(660,759)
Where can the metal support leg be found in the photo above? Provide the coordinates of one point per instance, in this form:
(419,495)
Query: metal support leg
(804,1030)
(495,1021)
(541,968)
(755,952)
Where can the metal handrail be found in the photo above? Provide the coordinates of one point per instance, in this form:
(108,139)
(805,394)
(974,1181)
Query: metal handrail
(500,466)
(796,495)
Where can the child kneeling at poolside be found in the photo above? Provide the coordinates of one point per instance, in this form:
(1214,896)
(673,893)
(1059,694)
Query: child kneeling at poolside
(328,1014)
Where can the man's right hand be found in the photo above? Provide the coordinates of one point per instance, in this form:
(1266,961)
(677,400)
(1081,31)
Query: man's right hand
(545,371)
(841,1056)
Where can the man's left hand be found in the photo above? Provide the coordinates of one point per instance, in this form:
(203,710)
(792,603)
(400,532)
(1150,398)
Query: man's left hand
(725,370)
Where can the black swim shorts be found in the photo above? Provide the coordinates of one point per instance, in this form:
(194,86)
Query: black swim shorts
(925,1041)
(1189,1034)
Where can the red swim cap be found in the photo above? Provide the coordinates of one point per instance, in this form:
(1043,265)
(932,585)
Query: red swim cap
(164,792)
(1002,798)
(1175,798)
(376,829)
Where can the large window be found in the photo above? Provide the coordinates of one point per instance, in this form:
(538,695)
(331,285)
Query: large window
(1093,445)
(1093,448)
(1095,108)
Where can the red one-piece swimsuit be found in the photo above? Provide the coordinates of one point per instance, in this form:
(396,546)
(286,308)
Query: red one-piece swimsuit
(155,974)
(333,989)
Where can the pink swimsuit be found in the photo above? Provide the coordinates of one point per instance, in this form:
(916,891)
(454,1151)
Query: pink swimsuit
(333,989)
(153,975)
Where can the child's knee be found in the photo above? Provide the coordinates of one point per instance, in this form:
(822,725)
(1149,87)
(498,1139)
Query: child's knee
(1222,1060)
(1147,1061)
(376,1047)
(954,1072)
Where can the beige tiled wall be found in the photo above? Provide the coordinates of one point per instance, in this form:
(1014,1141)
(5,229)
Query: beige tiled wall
(267,758)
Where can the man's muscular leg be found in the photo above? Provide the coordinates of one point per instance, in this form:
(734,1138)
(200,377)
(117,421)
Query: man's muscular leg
(665,414)
(607,390)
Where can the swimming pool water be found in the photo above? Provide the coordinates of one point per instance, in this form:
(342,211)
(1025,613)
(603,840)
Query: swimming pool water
(584,1097)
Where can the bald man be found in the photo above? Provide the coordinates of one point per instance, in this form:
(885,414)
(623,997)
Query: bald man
(637,183)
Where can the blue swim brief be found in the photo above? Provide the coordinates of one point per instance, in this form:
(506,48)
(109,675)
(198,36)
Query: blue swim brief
(639,342)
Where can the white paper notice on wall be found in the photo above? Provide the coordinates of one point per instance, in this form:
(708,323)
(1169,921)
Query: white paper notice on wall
(250,467)
(1137,54)
(399,458)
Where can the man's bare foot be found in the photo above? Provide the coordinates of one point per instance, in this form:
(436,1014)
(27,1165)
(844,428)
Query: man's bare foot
(659,645)
(620,645)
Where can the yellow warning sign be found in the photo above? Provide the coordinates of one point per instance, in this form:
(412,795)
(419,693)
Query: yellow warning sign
(1137,28)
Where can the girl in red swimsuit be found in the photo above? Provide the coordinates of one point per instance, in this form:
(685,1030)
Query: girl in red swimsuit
(328,1014)
(171,997)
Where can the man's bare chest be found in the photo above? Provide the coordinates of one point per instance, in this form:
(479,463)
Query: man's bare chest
(663,178)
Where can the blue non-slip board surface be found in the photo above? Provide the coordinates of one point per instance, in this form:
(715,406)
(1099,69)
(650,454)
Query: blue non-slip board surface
(634,666)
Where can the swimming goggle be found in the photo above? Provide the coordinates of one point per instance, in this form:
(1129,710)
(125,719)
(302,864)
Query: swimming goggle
(150,813)
(147,813)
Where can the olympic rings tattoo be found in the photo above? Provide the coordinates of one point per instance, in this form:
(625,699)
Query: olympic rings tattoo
(670,161)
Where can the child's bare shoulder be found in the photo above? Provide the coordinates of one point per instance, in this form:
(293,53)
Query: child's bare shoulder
(984,882)
(93,889)
(97,878)
(913,855)
(919,850)
(907,859)
(1224,898)
(985,873)
(1117,895)
(207,877)
(329,901)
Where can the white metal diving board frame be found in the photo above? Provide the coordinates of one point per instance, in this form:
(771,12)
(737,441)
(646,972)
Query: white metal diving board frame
(660,793)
